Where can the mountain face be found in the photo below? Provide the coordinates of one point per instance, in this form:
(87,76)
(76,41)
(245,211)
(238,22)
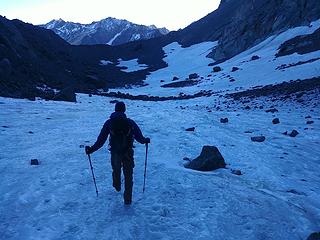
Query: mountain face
(35,61)
(238,25)
(109,31)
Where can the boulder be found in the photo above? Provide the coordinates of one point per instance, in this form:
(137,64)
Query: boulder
(258,139)
(34,162)
(294,133)
(193,76)
(190,129)
(255,57)
(224,120)
(236,172)
(310,122)
(272,110)
(217,69)
(314,236)
(235,69)
(276,121)
(209,160)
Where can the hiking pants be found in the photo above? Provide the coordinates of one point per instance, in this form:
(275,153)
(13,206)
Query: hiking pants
(126,162)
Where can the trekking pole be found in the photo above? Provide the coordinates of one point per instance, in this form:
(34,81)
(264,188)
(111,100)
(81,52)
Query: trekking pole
(94,179)
(145,168)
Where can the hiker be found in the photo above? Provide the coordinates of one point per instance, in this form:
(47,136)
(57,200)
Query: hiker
(122,132)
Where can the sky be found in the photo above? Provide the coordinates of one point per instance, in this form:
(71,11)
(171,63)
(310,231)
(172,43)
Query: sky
(172,14)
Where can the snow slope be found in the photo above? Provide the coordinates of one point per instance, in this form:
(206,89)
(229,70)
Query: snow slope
(277,197)
(185,61)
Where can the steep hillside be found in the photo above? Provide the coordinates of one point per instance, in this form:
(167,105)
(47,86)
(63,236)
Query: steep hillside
(238,25)
(36,62)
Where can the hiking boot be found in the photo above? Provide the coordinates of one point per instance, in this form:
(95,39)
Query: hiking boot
(117,188)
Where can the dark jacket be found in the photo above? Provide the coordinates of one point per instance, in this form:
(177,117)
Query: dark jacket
(102,138)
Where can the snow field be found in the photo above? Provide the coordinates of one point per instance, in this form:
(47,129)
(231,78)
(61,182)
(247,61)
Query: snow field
(56,200)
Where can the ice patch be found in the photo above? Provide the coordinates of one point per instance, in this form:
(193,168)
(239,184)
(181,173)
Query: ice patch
(105,62)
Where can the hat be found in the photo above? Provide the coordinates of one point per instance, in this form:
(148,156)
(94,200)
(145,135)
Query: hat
(120,107)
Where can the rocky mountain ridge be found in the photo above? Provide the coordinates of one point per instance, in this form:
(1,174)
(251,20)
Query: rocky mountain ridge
(109,31)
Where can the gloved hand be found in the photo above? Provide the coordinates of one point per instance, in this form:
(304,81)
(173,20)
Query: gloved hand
(147,140)
(88,150)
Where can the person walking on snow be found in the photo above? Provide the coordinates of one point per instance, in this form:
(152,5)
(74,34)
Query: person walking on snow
(122,131)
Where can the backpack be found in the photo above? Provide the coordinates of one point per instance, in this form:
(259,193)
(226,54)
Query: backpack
(120,135)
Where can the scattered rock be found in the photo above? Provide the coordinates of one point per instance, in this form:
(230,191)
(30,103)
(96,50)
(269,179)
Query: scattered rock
(224,120)
(314,236)
(308,117)
(190,129)
(258,139)
(272,110)
(161,81)
(90,95)
(236,172)
(276,121)
(310,122)
(248,132)
(193,76)
(209,159)
(30,132)
(217,69)
(48,118)
(81,146)
(211,64)
(255,57)
(175,78)
(235,69)
(5,126)
(34,162)
(247,108)
(186,159)
(293,191)
(285,133)
(294,133)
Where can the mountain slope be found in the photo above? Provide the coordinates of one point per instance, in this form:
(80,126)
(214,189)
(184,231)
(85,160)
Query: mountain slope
(238,25)
(39,57)
(109,31)
(36,62)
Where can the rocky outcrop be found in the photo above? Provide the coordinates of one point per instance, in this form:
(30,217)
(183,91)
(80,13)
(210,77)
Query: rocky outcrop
(239,25)
(210,159)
